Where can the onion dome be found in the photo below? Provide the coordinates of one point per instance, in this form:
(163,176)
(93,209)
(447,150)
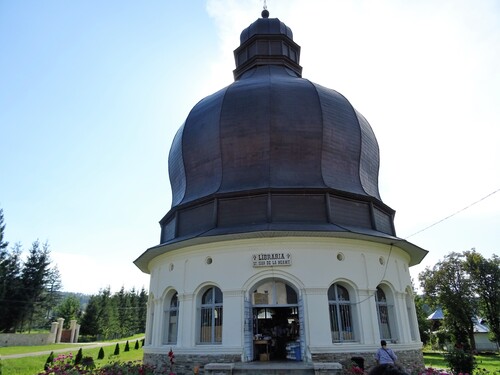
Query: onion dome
(274,154)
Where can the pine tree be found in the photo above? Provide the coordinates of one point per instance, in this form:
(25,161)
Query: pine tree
(117,349)
(3,243)
(4,282)
(136,347)
(34,279)
(127,347)
(142,311)
(11,290)
(109,325)
(90,320)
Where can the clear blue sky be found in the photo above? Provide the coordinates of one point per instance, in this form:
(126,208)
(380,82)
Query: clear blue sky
(92,93)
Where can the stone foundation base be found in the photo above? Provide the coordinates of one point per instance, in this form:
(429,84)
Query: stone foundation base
(408,359)
(188,364)
(222,364)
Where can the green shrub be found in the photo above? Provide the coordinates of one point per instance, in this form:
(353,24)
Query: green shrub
(127,347)
(101,353)
(460,361)
(49,361)
(117,349)
(88,363)
(78,357)
(136,347)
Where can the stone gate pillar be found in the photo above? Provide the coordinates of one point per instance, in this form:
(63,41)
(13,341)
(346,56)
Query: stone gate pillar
(60,322)
(72,327)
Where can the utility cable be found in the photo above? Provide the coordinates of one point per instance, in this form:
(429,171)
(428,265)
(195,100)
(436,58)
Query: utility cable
(453,214)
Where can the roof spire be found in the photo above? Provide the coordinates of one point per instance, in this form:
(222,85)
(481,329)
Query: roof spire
(265,12)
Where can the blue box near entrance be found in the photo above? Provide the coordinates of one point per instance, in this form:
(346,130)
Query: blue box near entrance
(297,353)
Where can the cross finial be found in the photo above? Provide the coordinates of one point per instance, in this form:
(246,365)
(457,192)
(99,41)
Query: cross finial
(265,12)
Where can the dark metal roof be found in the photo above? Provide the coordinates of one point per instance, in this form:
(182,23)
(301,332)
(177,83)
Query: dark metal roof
(274,152)
(272,129)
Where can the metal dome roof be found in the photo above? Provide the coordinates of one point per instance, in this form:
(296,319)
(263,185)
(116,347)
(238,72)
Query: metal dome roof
(274,152)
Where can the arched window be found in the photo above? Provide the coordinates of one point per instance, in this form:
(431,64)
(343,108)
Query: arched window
(211,316)
(170,314)
(340,314)
(385,315)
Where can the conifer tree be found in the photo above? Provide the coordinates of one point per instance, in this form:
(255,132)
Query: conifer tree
(101,353)
(127,347)
(34,279)
(142,310)
(117,349)
(3,242)
(11,298)
(136,347)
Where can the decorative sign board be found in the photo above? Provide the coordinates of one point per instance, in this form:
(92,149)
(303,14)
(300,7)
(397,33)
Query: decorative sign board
(272,259)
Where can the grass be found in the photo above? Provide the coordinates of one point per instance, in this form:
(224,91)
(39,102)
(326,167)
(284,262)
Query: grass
(9,350)
(34,364)
(489,362)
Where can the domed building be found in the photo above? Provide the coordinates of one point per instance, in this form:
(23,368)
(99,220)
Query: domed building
(278,245)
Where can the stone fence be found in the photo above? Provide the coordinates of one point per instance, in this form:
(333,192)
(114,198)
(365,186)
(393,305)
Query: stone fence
(56,335)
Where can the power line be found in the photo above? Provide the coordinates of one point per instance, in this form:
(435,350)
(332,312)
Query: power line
(453,214)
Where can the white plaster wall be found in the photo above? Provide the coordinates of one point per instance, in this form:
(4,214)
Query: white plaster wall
(314,268)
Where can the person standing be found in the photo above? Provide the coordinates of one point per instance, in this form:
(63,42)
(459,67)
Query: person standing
(385,355)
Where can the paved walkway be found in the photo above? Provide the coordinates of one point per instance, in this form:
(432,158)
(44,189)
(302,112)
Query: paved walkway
(76,346)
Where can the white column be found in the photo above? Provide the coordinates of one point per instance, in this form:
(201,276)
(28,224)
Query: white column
(403,324)
(368,318)
(187,321)
(232,322)
(157,317)
(316,319)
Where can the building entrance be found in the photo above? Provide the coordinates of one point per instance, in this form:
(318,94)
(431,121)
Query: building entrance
(276,322)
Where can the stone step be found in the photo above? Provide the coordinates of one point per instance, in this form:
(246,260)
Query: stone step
(273,368)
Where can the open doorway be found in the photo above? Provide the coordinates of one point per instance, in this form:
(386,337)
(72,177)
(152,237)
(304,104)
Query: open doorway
(276,322)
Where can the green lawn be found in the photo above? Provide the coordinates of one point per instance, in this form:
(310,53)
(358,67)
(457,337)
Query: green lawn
(489,363)
(34,365)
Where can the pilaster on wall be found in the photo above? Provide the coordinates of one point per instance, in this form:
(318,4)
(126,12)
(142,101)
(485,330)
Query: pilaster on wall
(317,318)
(367,316)
(186,324)
(233,322)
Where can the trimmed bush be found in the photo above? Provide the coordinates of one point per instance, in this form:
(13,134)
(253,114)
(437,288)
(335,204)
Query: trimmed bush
(88,363)
(49,361)
(117,349)
(79,356)
(127,347)
(101,353)
(136,347)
